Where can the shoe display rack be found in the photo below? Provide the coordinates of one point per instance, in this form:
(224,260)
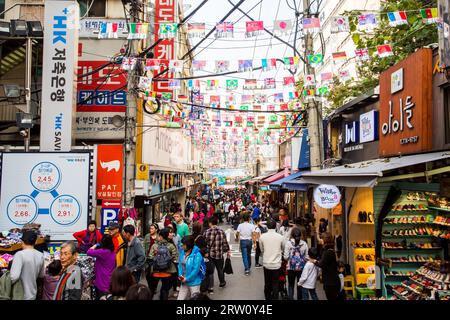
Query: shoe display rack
(364,255)
(431,278)
(410,239)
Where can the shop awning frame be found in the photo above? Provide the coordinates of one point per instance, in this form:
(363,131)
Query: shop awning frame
(279,184)
(369,173)
(261,178)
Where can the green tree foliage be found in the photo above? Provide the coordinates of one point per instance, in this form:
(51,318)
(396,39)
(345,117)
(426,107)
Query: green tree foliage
(405,39)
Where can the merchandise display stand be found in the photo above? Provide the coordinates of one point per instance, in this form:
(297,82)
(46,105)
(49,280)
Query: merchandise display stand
(18,246)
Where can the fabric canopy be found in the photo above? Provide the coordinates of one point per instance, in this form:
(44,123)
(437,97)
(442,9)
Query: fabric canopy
(275,177)
(279,184)
(260,178)
(366,173)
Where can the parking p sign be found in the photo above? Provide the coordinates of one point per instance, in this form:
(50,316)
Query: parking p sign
(109,213)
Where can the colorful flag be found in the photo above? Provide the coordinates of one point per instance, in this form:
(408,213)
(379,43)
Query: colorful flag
(282,27)
(273,118)
(198,64)
(268,64)
(254,28)
(108,30)
(214,100)
(224,30)
(250,84)
(362,54)
(212,84)
(182,98)
(194,84)
(429,15)
(291,63)
(260,98)
(367,21)
(199,99)
(196,30)
(278,97)
(384,51)
(310,80)
(284,107)
(315,60)
(230,99)
(311,24)
(175,66)
(152,64)
(344,75)
(232,84)
(222,66)
(145,82)
(138,31)
(308,92)
(270,107)
(243,107)
(174,84)
(397,18)
(245,65)
(340,24)
(246,98)
(326,76)
(339,57)
(288,81)
(322,91)
(293,95)
(128,63)
(269,83)
(167,30)
(166,95)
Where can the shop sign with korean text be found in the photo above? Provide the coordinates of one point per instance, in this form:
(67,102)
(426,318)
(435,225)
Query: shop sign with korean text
(61,23)
(109,171)
(405,123)
(327,196)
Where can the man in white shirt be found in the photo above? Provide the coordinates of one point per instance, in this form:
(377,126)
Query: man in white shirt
(245,233)
(28,265)
(272,246)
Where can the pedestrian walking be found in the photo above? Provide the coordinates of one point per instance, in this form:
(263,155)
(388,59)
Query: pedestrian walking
(328,264)
(258,231)
(121,281)
(163,256)
(272,246)
(191,269)
(89,237)
(105,263)
(296,254)
(182,227)
(135,260)
(70,284)
(28,265)
(119,244)
(217,246)
(308,279)
(151,237)
(244,234)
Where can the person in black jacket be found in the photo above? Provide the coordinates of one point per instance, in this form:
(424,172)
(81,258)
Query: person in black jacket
(328,264)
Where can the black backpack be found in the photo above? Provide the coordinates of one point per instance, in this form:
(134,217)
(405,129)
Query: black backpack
(162,259)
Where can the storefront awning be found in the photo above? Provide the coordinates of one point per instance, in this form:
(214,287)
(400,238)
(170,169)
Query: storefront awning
(276,176)
(366,173)
(279,184)
(261,178)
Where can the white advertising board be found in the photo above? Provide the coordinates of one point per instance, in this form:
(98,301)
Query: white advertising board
(327,196)
(51,189)
(59,67)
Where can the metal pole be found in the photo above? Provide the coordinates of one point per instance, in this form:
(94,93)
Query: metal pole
(29,62)
(312,105)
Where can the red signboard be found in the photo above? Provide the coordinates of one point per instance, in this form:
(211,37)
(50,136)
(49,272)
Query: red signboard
(109,171)
(107,87)
(164,13)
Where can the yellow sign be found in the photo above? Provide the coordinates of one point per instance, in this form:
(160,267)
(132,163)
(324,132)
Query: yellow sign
(142,172)
(438,68)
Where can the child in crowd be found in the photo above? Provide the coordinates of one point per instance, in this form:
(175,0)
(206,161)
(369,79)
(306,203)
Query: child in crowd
(51,279)
(309,277)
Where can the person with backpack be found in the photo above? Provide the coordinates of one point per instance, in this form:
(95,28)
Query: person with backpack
(191,269)
(308,279)
(259,229)
(163,256)
(296,254)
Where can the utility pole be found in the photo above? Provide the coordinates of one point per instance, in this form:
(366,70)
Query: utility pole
(130,113)
(29,62)
(314,114)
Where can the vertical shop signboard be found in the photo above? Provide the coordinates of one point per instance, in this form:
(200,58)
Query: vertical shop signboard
(109,171)
(59,81)
(406,106)
(165,49)
(109,213)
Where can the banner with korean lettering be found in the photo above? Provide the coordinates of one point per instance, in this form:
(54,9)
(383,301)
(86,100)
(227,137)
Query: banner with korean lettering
(109,171)
(165,49)
(61,23)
